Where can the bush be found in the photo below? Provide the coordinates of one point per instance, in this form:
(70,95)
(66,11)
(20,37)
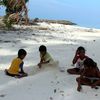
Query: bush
(7,22)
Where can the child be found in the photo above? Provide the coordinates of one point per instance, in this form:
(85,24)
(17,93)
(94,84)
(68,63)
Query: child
(16,68)
(45,57)
(90,76)
(78,60)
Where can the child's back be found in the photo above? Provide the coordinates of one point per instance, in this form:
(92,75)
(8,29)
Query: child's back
(45,57)
(90,75)
(16,67)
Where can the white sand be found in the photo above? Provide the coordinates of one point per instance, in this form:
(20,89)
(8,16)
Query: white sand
(48,83)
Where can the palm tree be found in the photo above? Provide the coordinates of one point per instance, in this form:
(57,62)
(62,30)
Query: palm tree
(13,9)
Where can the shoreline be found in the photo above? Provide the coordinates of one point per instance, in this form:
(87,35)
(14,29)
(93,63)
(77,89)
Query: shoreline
(35,21)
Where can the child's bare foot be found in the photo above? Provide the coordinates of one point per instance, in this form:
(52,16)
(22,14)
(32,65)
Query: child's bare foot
(95,87)
(79,88)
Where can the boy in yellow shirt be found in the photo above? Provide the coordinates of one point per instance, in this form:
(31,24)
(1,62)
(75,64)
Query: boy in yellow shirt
(16,67)
(45,57)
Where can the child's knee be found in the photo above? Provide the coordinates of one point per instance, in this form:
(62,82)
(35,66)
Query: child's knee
(68,70)
(78,79)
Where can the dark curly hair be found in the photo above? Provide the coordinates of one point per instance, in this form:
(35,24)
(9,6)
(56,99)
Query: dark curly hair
(42,48)
(81,48)
(21,52)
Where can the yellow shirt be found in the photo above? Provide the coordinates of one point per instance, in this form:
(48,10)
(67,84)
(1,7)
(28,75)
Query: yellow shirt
(14,68)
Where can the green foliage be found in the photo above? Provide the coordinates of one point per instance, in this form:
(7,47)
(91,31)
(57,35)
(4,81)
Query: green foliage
(10,9)
(7,22)
(5,2)
(26,1)
(1,2)
(12,6)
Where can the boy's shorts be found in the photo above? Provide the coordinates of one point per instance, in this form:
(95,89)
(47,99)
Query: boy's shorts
(7,73)
(15,75)
(77,69)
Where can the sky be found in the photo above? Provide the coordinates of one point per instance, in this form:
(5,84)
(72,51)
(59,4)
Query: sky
(83,12)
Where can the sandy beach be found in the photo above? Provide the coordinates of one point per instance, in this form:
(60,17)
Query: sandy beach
(48,83)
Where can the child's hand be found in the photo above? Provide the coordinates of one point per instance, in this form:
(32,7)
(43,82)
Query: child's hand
(94,86)
(77,53)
